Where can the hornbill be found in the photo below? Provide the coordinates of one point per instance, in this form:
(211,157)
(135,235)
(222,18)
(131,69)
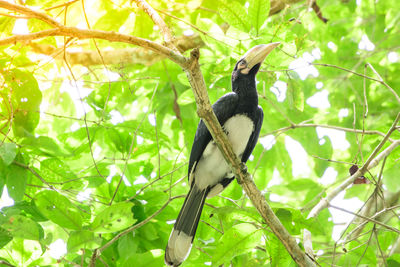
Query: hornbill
(241,118)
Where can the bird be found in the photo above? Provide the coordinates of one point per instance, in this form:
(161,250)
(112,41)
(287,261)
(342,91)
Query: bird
(209,174)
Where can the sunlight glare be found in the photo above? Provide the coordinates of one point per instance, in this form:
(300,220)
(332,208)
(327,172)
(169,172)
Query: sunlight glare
(279,89)
(328,177)
(267,141)
(20,27)
(57,249)
(393,57)
(302,66)
(298,156)
(338,138)
(319,100)
(366,44)
(6,200)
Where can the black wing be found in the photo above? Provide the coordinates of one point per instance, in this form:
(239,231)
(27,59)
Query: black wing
(258,120)
(223,109)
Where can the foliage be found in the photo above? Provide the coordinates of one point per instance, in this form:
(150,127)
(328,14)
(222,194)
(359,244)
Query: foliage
(89,151)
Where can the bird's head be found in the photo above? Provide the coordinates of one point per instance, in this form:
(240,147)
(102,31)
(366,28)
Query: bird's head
(249,64)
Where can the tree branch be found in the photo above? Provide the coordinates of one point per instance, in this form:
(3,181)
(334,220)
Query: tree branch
(384,83)
(98,251)
(97,34)
(168,38)
(30,13)
(134,55)
(278,5)
(371,162)
(367,219)
(312,125)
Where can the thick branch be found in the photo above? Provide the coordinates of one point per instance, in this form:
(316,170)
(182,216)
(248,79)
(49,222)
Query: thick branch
(30,13)
(97,34)
(134,55)
(27,37)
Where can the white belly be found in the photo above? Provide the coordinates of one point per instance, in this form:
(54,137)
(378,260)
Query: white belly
(212,167)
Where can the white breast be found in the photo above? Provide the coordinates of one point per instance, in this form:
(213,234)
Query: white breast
(212,166)
(239,129)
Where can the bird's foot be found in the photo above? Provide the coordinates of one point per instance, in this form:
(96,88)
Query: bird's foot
(243,167)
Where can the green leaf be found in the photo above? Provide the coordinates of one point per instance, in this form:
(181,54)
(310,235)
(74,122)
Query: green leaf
(58,209)
(82,240)
(6,25)
(258,13)
(46,145)
(295,95)
(237,240)
(112,20)
(26,208)
(230,213)
(8,151)
(127,245)
(23,227)
(186,97)
(279,255)
(152,258)
(5,237)
(302,184)
(234,14)
(183,79)
(16,182)
(27,98)
(394,260)
(391,178)
(55,170)
(114,218)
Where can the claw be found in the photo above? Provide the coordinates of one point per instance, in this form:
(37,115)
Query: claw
(243,167)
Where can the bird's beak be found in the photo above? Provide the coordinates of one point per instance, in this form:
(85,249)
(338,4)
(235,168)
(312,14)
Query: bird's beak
(257,55)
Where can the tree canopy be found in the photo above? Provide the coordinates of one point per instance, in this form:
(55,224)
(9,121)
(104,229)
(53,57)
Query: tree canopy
(99,107)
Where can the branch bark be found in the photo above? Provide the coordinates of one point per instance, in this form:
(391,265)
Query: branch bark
(30,13)
(97,34)
(278,5)
(135,55)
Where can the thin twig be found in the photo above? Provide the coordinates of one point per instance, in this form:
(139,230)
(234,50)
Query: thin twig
(131,149)
(166,32)
(344,69)
(366,218)
(66,4)
(84,118)
(385,84)
(371,162)
(310,125)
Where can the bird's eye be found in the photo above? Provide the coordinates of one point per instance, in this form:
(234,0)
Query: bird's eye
(242,64)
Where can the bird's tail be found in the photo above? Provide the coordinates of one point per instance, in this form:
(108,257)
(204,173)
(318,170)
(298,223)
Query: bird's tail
(181,238)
